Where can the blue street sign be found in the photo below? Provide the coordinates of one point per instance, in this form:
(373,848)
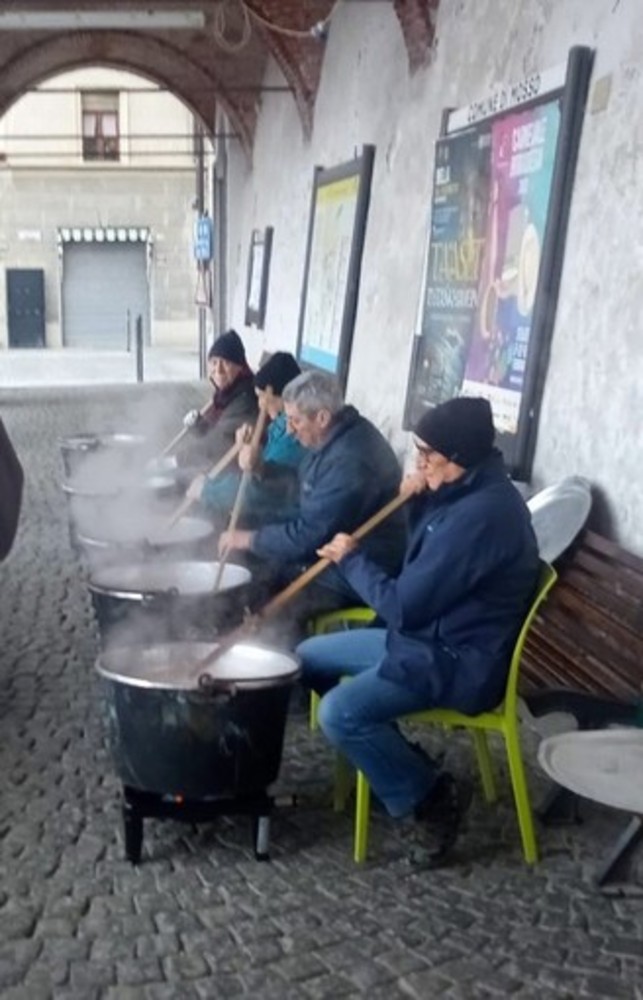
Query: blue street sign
(203,238)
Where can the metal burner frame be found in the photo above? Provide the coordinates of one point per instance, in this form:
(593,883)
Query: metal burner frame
(139,805)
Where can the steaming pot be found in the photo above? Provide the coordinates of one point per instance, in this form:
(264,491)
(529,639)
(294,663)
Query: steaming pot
(91,501)
(163,600)
(179,730)
(144,536)
(75,450)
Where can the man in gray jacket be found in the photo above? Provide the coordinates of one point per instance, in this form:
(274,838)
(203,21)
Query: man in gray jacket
(350,471)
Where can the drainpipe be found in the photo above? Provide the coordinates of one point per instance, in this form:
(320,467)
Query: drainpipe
(220,213)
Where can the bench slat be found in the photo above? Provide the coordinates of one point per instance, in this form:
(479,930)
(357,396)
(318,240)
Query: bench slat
(588,636)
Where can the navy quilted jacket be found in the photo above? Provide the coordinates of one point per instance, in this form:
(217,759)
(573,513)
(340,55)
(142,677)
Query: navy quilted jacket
(454,611)
(352,475)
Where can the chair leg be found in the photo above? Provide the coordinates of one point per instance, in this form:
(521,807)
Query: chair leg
(485,764)
(343,782)
(362,810)
(313,710)
(521,795)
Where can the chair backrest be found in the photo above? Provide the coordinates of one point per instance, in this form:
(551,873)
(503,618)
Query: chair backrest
(546,581)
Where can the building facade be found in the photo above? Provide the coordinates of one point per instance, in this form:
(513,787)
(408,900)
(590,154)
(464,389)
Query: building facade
(97,191)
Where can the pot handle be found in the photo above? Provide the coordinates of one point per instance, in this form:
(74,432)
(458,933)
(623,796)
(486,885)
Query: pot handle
(209,685)
(155,602)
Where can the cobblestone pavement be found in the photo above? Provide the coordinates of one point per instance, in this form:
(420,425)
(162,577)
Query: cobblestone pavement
(199,917)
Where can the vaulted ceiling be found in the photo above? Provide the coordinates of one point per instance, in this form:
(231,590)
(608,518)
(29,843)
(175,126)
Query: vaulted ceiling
(223,62)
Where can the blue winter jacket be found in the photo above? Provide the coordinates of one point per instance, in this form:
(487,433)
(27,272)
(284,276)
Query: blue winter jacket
(454,611)
(341,483)
(270,496)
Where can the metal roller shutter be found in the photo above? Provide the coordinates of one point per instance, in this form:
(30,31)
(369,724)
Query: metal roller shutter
(101,281)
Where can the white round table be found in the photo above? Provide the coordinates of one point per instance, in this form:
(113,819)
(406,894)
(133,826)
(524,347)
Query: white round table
(605,765)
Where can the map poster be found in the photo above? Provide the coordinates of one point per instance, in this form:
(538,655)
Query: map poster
(333,261)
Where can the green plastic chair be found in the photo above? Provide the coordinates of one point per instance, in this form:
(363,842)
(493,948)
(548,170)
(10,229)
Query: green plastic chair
(334,621)
(503,720)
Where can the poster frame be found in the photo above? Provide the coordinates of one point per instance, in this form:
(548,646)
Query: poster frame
(361,167)
(569,84)
(260,244)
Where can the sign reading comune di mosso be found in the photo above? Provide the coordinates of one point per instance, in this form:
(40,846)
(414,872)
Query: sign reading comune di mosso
(502,183)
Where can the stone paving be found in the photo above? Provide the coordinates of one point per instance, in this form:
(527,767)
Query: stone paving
(199,917)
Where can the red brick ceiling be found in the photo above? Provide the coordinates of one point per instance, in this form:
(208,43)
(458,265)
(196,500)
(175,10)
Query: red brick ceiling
(191,63)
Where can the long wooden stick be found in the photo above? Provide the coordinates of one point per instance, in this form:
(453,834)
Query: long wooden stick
(216,469)
(297,585)
(203,412)
(241,492)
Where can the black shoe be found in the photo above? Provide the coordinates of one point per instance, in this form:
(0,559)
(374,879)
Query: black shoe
(442,812)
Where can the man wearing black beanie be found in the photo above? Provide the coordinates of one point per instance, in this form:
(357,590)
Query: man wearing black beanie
(452,616)
(233,403)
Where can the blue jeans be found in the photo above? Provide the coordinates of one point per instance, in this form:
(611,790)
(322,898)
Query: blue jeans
(358,717)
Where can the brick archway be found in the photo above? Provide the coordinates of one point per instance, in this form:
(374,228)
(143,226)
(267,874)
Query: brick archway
(191,64)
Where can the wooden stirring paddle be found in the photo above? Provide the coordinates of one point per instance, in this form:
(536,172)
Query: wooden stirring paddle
(246,476)
(216,469)
(203,412)
(284,596)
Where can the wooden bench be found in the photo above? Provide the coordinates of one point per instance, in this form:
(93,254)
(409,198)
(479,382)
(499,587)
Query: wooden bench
(588,638)
(584,657)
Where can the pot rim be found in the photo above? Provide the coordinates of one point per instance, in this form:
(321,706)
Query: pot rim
(148,485)
(229,684)
(90,441)
(133,594)
(130,544)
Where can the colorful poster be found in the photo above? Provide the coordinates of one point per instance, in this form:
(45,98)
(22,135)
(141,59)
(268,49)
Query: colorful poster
(502,187)
(523,148)
(455,259)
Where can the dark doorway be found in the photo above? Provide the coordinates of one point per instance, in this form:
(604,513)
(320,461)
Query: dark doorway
(26,307)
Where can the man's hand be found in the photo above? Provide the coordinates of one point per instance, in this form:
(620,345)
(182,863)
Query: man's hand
(243,434)
(248,457)
(195,489)
(239,540)
(191,419)
(412,484)
(337,548)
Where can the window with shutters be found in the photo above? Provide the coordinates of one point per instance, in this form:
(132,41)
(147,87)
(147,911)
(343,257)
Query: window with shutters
(100,125)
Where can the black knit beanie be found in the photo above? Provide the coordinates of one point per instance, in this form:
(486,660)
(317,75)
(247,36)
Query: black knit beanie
(461,429)
(280,369)
(229,347)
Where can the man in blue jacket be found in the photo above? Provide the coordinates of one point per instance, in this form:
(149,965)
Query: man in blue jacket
(349,472)
(452,615)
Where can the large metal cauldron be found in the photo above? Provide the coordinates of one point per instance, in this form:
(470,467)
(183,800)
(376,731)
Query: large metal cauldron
(173,735)
(127,450)
(145,535)
(163,600)
(89,489)
(91,503)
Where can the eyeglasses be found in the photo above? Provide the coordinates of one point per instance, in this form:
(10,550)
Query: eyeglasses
(424,451)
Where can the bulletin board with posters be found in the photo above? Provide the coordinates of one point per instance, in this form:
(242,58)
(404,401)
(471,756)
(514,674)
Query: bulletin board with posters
(502,184)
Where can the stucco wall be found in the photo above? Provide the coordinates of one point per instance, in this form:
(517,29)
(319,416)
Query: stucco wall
(593,397)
